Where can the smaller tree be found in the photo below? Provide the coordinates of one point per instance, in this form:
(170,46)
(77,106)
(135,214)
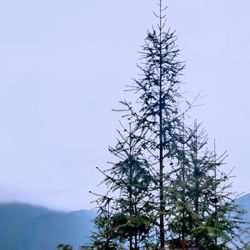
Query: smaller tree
(203,211)
(126,210)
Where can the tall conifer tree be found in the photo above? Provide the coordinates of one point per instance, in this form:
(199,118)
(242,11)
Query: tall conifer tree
(158,91)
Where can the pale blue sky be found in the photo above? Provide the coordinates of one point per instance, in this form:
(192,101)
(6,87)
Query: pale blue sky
(63,66)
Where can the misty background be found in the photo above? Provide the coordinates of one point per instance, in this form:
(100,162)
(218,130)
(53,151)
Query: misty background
(64,66)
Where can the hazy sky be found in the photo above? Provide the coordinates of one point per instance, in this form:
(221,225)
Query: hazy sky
(64,65)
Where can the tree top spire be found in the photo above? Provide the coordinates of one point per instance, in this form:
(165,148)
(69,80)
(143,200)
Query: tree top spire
(161,14)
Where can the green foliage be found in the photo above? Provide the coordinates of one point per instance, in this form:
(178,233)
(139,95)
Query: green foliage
(202,209)
(104,237)
(126,226)
(126,211)
(64,247)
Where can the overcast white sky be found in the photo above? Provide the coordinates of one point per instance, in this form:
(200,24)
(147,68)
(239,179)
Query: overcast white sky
(63,66)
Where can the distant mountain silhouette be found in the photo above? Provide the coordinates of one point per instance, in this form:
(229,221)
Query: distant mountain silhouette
(27,227)
(244,201)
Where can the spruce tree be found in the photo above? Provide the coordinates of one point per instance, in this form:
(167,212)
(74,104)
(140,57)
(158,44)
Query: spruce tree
(158,92)
(125,211)
(204,212)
